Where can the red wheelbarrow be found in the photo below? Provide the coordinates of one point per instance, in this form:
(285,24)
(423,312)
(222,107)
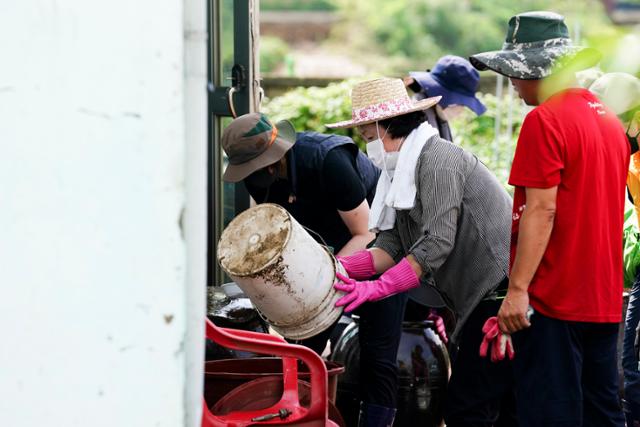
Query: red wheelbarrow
(288,411)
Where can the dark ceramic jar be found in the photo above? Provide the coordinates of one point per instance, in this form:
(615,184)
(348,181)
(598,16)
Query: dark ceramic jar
(231,309)
(423,367)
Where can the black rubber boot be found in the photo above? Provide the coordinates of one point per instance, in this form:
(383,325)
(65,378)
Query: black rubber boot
(375,415)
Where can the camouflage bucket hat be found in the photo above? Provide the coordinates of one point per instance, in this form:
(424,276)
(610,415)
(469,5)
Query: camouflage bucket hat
(251,142)
(537,45)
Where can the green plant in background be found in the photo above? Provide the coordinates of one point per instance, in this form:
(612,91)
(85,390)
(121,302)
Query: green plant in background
(478,134)
(273,52)
(298,5)
(311,108)
(226,37)
(390,36)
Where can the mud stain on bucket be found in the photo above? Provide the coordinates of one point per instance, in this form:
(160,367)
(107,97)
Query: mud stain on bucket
(258,254)
(286,273)
(276,275)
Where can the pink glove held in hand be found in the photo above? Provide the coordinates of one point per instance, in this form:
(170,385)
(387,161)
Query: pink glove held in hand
(499,342)
(439,324)
(359,266)
(399,278)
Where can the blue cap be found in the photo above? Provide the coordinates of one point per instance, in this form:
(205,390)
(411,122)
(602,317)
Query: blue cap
(453,78)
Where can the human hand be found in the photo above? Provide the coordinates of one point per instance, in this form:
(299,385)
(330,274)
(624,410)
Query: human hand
(399,278)
(512,316)
(357,292)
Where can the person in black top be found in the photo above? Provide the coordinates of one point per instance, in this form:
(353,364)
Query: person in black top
(328,197)
(324,181)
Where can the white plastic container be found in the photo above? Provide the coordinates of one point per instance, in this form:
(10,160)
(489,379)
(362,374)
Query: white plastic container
(287,275)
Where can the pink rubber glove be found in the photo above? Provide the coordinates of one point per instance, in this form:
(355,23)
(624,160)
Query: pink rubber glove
(399,278)
(359,265)
(499,342)
(439,324)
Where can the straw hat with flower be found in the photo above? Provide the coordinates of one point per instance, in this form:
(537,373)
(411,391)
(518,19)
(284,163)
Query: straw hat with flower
(381,99)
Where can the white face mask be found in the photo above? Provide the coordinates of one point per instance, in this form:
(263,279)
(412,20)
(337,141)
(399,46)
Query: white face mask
(379,157)
(375,152)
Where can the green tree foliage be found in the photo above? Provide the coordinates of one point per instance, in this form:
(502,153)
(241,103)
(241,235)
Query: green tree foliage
(311,108)
(296,5)
(273,51)
(494,145)
(417,32)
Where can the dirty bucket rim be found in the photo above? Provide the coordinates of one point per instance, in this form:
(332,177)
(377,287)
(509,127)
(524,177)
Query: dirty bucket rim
(272,260)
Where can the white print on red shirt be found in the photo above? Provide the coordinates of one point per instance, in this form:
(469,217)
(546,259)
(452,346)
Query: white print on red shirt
(518,213)
(598,107)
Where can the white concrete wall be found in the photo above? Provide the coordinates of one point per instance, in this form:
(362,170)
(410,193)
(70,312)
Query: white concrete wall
(196,128)
(102,292)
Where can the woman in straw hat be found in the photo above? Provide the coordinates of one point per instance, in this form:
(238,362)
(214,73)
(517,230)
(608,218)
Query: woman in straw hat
(443,221)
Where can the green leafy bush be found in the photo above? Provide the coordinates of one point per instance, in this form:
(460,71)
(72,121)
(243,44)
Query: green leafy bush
(478,133)
(323,5)
(407,33)
(273,51)
(311,108)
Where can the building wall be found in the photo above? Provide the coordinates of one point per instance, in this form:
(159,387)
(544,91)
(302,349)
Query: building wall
(297,28)
(102,175)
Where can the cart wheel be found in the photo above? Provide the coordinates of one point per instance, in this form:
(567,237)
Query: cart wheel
(263,393)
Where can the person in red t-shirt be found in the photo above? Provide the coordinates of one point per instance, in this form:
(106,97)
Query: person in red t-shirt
(569,173)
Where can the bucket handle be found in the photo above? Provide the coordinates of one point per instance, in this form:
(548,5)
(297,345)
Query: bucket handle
(324,243)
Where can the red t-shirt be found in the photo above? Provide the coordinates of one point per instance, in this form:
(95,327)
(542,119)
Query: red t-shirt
(572,141)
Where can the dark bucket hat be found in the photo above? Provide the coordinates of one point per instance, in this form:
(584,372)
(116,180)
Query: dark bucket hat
(537,45)
(252,142)
(453,78)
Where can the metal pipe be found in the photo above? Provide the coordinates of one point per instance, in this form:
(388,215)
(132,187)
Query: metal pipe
(214,193)
(498,120)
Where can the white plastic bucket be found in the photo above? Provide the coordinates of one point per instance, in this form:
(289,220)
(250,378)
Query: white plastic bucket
(287,275)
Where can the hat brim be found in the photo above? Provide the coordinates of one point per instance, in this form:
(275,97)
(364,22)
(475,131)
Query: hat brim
(427,295)
(424,104)
(535,64)
(284,141)
(449,97)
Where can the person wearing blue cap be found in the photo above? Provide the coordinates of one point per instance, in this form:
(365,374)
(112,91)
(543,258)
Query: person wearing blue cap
(456,81)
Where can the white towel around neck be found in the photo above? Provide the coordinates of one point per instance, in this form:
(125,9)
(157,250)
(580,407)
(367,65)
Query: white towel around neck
(396,189)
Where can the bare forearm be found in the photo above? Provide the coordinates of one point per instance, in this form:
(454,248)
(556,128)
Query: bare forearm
(534,233)
(382,261)
(357,243)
